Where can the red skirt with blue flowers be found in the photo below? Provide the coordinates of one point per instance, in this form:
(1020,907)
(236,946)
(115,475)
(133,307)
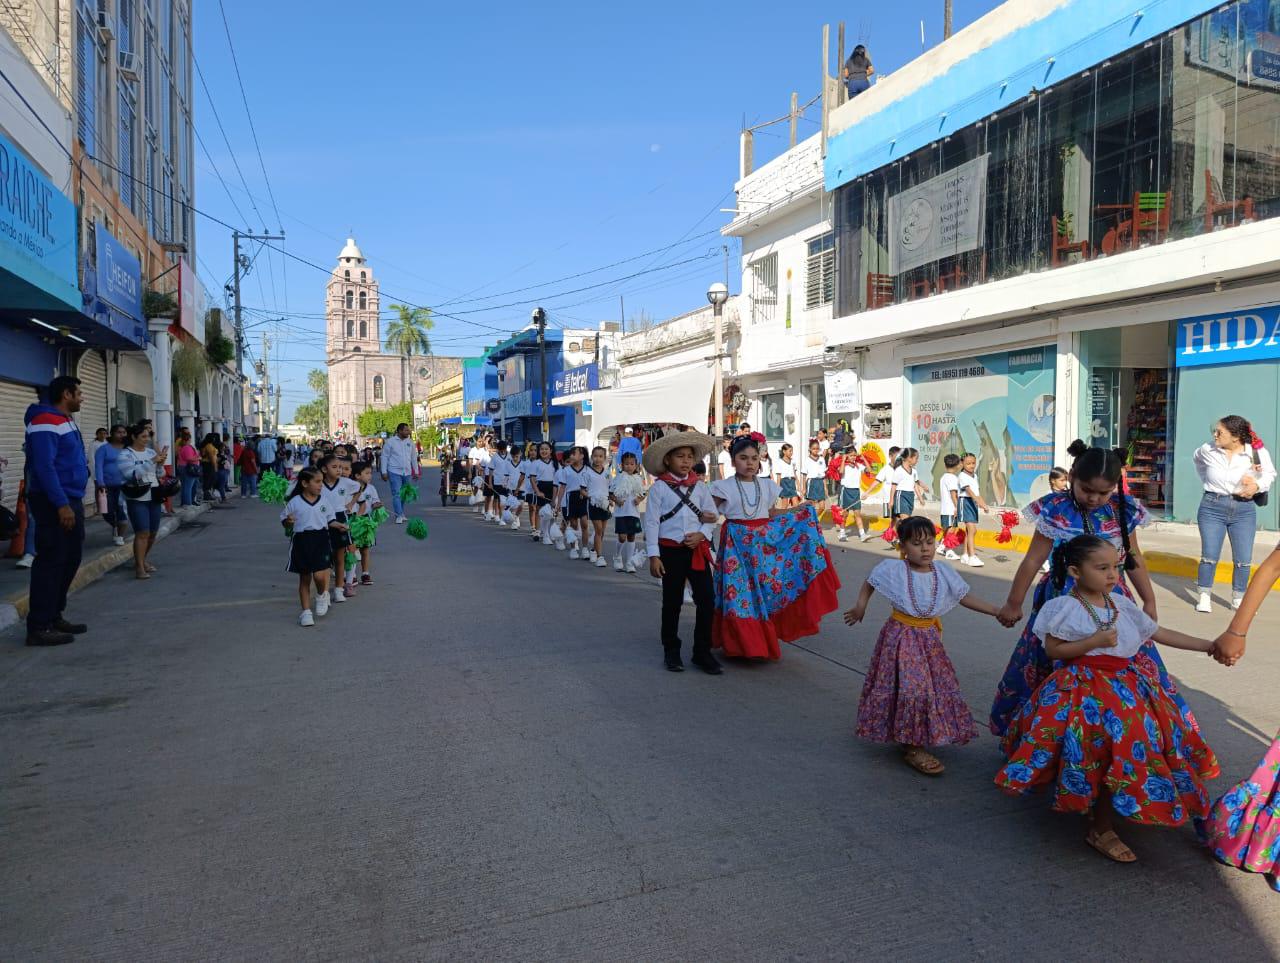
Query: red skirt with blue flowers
(1102,721)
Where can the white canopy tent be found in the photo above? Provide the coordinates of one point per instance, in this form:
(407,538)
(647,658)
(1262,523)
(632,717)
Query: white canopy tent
(680,396)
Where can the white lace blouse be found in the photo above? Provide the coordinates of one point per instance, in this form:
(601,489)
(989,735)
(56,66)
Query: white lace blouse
(889,578)
(1066,619)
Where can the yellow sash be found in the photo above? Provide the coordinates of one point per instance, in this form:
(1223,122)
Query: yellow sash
(916,622)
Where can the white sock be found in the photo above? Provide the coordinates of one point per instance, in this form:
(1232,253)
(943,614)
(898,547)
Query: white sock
(627,549)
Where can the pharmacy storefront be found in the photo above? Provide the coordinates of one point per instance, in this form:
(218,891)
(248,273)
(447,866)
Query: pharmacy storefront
(1000,406)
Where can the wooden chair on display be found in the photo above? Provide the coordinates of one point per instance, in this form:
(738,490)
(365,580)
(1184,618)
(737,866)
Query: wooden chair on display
(879,291)
(958,277)
(1214,205)
(1062,246)
(1148,214)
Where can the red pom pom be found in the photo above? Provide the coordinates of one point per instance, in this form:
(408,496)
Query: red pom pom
(1005,536)
(890,535)
(953,539)
(1009,519)
(1256,442)
(837,515)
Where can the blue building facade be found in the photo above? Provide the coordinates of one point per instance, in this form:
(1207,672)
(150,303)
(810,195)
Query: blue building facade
(520,385)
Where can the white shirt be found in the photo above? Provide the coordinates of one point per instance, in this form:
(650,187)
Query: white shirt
(368,498)
(308,516)
(824,447)
(399,456)
(1222,475)
(661,499)
(890,579)
(479,457)
(851,477)
(514,471)
(138,468)
(497,468)
(814,468)
(905,481)
(784,469)
(541,471)
(575,480)
(949,492)
(598,487)
(725,461)
(1066,619)
(968,485)
(339,494)
(729,496)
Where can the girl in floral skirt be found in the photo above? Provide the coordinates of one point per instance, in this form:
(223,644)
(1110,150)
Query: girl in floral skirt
(1101,731)
(911,695)
(1244,825)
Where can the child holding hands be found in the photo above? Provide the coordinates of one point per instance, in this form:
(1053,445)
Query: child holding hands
(911,695)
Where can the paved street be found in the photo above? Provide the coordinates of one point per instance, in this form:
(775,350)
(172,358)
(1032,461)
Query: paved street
(481,758)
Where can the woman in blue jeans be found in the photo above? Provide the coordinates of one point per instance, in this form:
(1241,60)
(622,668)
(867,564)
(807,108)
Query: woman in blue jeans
(1233,469)
(139,467)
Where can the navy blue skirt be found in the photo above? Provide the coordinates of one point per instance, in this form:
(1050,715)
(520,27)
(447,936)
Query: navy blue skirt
(788,486)
(968,511)
(850,499)
(904,503)
(815,490)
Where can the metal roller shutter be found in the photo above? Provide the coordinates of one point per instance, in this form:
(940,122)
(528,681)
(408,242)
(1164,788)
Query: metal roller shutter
(94,408)
(14,400)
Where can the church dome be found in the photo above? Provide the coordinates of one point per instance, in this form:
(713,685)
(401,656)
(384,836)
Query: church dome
(350,251)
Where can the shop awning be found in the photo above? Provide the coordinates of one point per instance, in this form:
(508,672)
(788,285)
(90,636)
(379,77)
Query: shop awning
(671,397)
(483,421)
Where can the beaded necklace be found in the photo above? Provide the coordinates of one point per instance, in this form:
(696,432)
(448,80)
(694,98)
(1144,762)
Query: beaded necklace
(911,591)
(742,495)
(1113,613)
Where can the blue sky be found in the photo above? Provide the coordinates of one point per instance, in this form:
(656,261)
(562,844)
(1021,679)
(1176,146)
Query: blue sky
(479,149)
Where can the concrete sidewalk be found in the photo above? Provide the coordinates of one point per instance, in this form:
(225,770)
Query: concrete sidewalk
(101,555)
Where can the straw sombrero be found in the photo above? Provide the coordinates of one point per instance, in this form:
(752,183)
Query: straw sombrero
(701,444)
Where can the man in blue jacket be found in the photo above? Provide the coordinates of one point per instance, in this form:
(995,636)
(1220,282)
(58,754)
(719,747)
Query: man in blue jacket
(57,475)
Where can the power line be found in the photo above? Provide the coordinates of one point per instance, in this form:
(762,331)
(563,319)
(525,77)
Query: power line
(225,139)
(218,173)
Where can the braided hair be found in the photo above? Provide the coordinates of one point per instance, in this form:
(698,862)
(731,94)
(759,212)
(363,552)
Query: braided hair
(1107,464)
(1072,553)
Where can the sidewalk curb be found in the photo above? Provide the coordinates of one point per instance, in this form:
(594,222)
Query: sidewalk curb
(14,609)
(1161,563)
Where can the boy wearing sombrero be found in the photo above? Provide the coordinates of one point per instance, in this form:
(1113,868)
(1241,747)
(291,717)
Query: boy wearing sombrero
(679,521)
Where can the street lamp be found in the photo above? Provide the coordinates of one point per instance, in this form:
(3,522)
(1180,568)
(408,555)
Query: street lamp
(539,318)
(718,294)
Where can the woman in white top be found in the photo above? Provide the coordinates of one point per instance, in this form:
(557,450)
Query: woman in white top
(138,464)
(1234,469)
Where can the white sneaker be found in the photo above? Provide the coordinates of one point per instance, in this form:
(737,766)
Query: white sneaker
(25,561)
(515,524)
(975,562)
(1205,604)
(688,596)
(866,536)
(118,540)
(560,545)
(400,519)
(600,562)
(337,597)
(573,553)
(617,563)
(592,555)
(1236,600)
(950,555)
(546,540)
(306,618)
(631,568)
(322,604)
(842,535)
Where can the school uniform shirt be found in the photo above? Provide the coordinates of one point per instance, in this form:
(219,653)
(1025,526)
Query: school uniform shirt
(725,461)
(737,500)
(813,468)
(368,498)
(885,477)
(949,492)
(541,471)
(784,469)
(497,469)
(966,484)
(597,487)
(851,477)
(905,481)
(660,500)
(480,458)
(308,516)
(559,479)
(575,480)
(626,507)
(339,494)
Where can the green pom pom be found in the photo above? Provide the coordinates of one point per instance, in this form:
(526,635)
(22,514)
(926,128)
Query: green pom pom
(408,493)
(351,560)
(363,528)
(416,528)
(273,489)
(379,515)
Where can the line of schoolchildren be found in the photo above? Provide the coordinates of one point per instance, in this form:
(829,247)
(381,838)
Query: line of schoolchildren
(326,496)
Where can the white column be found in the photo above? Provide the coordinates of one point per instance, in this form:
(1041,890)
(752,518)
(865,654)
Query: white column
(1066,391)
(160,354)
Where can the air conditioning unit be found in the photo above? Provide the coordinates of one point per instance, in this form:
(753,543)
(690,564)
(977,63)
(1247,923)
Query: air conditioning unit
(128,64)
(106,26)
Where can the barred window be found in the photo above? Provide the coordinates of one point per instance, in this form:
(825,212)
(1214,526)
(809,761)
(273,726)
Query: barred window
(820,271)
(764,289)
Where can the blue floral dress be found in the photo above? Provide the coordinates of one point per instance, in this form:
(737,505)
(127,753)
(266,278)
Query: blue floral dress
(1059,518)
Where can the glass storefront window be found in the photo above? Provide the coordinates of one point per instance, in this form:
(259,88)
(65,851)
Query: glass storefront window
(773,416)
(815,403)
(998,406)
(1172,139)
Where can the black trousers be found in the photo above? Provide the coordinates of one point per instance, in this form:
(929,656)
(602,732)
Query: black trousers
(677,566)
(57,561)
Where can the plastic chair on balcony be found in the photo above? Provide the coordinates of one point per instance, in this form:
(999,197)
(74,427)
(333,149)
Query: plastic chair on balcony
(1060,232)
(879,291)
(1215,205)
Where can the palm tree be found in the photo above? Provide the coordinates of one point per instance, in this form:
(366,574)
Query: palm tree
(407,336)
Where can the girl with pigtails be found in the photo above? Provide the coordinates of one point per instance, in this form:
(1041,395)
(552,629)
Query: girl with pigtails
(1091,505)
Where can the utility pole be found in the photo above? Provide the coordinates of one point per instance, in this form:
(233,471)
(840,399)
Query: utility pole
(540,319)
(264,393)
(946,19)
(242,264)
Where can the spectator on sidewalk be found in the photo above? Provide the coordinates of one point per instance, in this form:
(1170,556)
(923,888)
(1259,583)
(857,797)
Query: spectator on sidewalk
(629,444)
(99,439)
(57,476)
(209,467)
(188,466)
(106,473)
(224,468)
(247,462)
(399,465)
(267,453)
(139,464)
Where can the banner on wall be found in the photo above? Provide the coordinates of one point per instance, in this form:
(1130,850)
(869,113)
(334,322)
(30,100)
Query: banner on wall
(939,217)
(1001,408)
(1249,55)
(842,390)
(1252,335)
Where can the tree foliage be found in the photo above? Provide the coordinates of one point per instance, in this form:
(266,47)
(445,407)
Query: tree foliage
(315,414)
(374,421)
(407,334)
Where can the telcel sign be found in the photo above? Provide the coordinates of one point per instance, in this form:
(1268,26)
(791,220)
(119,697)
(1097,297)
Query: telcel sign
(575,381)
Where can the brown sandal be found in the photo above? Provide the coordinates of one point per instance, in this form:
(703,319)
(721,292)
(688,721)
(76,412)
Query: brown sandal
(923,762)
(1111,846)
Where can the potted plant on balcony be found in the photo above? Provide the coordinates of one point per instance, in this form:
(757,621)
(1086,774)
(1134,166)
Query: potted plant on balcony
(159,304)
